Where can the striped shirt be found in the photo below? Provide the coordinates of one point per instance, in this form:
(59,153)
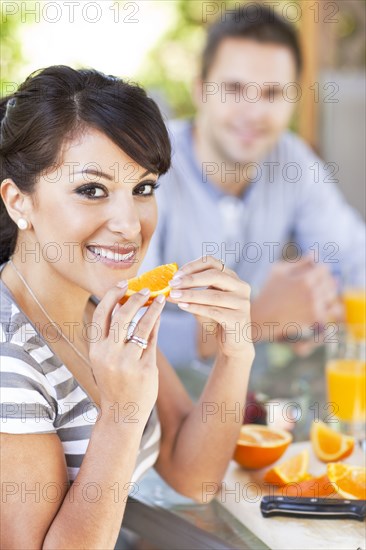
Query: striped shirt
(38,394)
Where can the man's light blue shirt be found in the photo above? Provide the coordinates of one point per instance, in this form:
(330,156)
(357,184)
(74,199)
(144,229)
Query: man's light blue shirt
(292,197)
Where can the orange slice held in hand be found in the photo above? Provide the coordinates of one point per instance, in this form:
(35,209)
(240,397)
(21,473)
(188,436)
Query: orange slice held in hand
(292,470)
(329,445)
(259,446)
(157,280)
(349,481)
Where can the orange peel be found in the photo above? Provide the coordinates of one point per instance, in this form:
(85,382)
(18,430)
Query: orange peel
(259,446)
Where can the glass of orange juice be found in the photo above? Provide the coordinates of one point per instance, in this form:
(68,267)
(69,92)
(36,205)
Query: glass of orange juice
(354,300)
(346,383)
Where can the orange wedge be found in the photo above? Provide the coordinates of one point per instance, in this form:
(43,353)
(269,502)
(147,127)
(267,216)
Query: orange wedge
(311,487)
(349,481)
(157,280)
(259,446)
(292,470)
(329,445)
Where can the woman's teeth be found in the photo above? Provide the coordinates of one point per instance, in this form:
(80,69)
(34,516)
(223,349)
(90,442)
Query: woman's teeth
(110,254)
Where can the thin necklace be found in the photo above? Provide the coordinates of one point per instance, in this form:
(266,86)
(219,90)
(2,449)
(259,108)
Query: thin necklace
(51,320)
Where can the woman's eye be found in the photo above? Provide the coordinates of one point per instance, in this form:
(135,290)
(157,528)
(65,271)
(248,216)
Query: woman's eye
(92,191)
(146,189)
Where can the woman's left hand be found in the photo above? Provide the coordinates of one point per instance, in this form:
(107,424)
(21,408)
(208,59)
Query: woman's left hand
(222,306)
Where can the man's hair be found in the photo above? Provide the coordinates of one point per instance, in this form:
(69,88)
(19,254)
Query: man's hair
(255,22)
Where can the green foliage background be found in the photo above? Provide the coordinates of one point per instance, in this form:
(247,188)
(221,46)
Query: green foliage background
(11,56)
(171,65)
(168,68)
(175,60)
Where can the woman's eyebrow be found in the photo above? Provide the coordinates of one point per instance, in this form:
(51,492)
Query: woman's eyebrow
(146,173)
(100,174)
(96,173)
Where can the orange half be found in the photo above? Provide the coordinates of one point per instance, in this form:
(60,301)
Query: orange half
(349,481)
(329,445)
(259,446)
(157,280)
(292,470)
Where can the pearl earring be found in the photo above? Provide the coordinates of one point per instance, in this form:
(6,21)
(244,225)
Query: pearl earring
(22,223)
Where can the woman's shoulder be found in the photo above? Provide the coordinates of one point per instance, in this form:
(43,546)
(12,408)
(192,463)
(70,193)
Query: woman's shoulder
(28,403)
(17,335)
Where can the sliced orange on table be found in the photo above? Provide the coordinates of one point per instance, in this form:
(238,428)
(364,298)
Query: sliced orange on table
(259,446)
(349,481)
(328,445)
(293,470)
(157,280)
(310,487)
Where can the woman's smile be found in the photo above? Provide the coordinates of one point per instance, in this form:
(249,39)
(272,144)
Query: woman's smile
(114,257)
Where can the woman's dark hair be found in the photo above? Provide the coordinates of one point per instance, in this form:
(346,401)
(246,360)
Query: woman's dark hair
(57,103)
(253,21)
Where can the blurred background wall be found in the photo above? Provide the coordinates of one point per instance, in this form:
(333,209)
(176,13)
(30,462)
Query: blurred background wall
(158,43)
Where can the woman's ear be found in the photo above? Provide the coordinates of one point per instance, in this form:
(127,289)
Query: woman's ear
(16,203)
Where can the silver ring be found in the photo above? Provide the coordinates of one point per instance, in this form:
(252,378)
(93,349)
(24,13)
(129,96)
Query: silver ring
(222,265)
(141,342)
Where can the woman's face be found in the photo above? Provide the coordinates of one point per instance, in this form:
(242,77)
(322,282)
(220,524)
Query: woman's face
(94,216)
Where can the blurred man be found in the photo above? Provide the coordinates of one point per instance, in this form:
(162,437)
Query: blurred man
(242,187)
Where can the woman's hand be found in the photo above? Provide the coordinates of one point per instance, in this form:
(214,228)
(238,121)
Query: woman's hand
(126,374)
(222,306)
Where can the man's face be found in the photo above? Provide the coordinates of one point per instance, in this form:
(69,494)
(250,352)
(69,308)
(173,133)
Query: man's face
(246,101)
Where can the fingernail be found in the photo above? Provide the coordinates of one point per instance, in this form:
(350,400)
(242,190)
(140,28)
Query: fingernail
(160,299)
(175,282)
(145,291)
(116,308)
(178,274)
(122,284)
(175,294)
(183,305)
